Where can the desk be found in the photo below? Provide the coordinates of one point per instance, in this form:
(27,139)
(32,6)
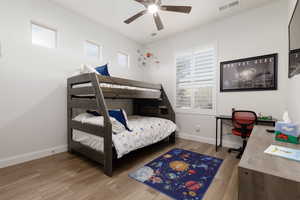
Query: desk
(266,177)
(227,117)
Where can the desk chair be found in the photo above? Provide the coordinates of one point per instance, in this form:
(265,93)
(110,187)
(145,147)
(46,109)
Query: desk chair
(243,123)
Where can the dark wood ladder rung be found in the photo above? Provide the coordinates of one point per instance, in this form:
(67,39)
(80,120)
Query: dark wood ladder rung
(79,79)
(84,103)
(82,91)
(88,128)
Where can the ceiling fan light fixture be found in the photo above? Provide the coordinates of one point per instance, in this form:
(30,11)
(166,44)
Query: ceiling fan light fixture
(153,8)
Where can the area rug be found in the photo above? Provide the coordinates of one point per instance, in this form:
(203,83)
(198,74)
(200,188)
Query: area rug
(180,174)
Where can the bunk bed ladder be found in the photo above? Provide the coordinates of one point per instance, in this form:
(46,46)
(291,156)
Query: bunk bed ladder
(108,150)
(96,103)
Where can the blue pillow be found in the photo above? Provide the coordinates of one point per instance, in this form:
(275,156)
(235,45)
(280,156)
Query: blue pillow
(103,70)
(119,116)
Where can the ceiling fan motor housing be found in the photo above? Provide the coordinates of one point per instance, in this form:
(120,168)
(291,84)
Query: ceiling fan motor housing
(153,6)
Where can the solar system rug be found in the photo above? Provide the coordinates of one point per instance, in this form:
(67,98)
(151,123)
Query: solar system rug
(180,174)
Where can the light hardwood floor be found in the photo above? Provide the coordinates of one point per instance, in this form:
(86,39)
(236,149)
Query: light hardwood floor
(71,177)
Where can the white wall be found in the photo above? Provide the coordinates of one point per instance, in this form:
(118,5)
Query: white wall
(33,79)
(293,84)
(291,6)
(295,26)
(256,32)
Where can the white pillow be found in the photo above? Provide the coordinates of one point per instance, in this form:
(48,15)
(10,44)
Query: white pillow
(76,73)
(87,69)
(83,117)
(126,118)
(117,127)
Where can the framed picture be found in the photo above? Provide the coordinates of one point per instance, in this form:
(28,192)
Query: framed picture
(294,44)
(294,67)
(249,74)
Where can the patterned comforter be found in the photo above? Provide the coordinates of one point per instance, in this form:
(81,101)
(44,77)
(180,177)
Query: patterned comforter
(145,131)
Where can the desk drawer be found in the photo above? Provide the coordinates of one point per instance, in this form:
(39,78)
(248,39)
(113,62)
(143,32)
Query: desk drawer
(254,185)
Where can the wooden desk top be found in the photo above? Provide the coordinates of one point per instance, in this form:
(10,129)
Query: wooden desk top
(255,159)
(229,117)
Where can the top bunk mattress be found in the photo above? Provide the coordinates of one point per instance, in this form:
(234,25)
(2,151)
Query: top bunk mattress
(115,86)
(145,131)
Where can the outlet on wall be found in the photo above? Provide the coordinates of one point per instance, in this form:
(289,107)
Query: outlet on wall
(198,129)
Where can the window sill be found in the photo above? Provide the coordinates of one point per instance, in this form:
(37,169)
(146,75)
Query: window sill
(196,112)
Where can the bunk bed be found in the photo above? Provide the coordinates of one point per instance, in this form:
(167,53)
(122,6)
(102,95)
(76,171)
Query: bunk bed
(90,91)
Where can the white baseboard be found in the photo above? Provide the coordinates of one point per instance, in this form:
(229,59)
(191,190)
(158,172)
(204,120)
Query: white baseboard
(208,140)
(32,156)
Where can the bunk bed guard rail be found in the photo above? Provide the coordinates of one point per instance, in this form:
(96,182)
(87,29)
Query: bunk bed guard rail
(113,87)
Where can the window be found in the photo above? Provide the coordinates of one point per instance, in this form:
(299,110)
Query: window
(93,50)
(43,36)
(123,59)
(195,80)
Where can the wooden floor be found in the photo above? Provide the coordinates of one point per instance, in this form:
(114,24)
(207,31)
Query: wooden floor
(71,177)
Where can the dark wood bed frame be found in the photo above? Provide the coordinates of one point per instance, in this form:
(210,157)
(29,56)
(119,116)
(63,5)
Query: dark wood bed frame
(146,103)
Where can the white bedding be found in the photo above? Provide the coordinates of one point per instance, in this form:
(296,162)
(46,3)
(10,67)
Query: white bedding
(108,85)
(146,131)
(117,127)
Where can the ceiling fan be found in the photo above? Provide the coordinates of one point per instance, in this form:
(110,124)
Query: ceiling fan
(153,6)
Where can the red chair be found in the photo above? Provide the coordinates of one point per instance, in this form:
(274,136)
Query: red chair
(243,123)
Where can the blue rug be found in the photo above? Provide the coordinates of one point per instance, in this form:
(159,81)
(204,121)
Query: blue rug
(180,174)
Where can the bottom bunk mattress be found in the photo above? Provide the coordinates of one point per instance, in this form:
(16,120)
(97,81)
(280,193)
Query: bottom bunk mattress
(145,131)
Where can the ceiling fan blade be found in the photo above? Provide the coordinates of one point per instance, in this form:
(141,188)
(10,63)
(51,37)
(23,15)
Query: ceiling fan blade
(145,2)
(158,21)
(131,19)
(141,1)
(158,2)
(181,9)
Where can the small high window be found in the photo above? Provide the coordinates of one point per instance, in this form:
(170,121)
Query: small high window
(43,36)
(93,50)
(123,59)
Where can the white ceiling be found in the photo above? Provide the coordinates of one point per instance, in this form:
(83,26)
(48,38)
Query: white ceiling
(112,13)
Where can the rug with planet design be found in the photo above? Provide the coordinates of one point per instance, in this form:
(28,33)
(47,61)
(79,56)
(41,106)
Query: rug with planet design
(180,174)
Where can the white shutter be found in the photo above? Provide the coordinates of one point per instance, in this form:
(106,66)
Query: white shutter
(195,80)
(184,67)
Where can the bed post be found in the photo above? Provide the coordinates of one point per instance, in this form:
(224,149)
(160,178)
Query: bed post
(108,153)
(70,113)
(172,117)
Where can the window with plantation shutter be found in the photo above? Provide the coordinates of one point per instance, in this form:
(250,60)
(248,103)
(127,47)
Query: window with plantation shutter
(195,80)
